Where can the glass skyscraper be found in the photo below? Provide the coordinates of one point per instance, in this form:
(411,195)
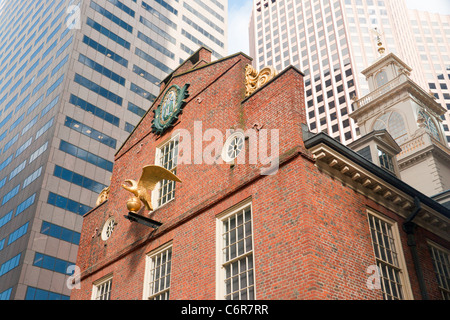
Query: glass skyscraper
(432,36)
(332,41)
(75,78)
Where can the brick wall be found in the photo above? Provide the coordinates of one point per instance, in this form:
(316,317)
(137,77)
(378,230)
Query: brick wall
(310,231)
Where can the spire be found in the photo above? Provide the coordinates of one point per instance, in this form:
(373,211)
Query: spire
(381,48)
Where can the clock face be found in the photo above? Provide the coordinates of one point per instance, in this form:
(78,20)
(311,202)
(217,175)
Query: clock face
(381,78)
(168,105)
(170,108)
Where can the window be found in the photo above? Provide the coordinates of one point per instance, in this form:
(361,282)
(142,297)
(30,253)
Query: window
(85,155)
(143,93)
(166,157)
(111,17)
(389,258)
(153,61)
(18,233)
(39,294)
(108,229)
(441,264)
(158,273)
(429,124)
(386,161)
(67,204)
(108,33)
(38,152)
(136,110)
(146,75)
(393,122)
(235,259)
(233,146)
(25,204)
(155,45)
(51,263)
(5,295)
(381,78)
(110,54)
(36,174)
(98,89)
(59,232)
(78,179)
(9,265)
(90,132)
(102,289)
(11,194)
(365,152)
(96,111)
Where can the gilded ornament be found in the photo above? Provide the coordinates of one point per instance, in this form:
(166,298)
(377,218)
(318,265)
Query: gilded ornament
(103,196)
(142,189)
(255,80)
(134,204)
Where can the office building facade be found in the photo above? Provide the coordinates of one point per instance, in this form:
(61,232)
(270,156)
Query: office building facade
(432,36)
(75,78)
(332,42)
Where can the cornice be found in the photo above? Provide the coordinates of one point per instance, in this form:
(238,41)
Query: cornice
(377,189)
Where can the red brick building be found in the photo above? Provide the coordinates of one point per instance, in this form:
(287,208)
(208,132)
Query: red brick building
(322,224)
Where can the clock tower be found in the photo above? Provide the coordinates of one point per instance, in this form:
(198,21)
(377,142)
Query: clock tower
(412,117)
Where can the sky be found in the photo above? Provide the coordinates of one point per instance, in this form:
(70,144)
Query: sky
(239,12)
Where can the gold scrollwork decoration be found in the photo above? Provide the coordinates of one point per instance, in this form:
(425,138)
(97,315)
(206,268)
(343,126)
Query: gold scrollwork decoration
(255,80)
(103,196)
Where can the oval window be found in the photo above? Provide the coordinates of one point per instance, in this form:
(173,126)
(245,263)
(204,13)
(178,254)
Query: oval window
(108,228)
(233,146)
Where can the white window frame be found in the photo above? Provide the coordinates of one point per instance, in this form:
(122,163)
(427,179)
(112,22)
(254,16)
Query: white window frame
(403,272)
(220,263)
(148,293)
(97,285)
(445,289)
(156,191)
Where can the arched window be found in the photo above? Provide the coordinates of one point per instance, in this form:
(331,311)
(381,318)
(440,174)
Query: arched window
(429,125)
(381,78)
(394,124)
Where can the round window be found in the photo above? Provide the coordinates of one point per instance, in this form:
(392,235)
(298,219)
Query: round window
(108,228)
(233,146)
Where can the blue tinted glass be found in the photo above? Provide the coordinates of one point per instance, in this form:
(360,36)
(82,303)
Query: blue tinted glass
(72,206)
(51,198)
(45,228)
(55,231)
(77,179)
(57,172)
(54,296)
(38,259)
(60,266)
(48,262)
(30,293)
(67,175)
(41,295)
(61,202)
(76,237)
(66,235)
(108,33)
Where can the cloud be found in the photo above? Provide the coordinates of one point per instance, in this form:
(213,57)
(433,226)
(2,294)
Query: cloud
(239,13)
